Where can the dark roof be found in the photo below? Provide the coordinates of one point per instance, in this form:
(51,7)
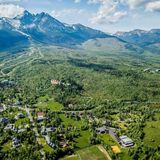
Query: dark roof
(101,129)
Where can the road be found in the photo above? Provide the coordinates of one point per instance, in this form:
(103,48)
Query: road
(32,51)
(34,129)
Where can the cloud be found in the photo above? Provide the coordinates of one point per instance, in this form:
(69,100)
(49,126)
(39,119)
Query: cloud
(66,12)
(9,1)
(10,10)
(108,12)
(136,3)
(153,6)
(112,11)
(77,1)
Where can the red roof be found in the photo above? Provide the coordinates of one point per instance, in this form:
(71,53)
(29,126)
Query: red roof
(40,114)
(54,82)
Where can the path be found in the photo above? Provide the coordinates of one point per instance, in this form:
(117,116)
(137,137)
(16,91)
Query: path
(33,50)
(101,148)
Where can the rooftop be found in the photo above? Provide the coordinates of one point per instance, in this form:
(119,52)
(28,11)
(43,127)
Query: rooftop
(40,114)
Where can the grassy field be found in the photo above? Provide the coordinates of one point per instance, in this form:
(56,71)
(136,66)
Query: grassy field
(152,133)
(68,121)
(72,157)
(51,104)
(7,146)
(46,148)
(23,121)
(107,139)
(91,153)
(83,140)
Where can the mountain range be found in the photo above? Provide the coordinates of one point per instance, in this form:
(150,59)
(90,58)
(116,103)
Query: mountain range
(149,40)
(42,28)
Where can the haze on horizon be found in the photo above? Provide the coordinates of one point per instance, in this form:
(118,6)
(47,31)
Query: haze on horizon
(106,15)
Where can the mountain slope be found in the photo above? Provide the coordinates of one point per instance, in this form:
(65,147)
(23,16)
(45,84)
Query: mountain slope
(112,46)
(43,28)
(146,39)
(10,36)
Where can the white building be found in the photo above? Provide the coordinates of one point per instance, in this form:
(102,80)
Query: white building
(126,142)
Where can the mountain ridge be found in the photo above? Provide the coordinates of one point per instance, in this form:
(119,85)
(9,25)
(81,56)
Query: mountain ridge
(43,28)
(142,38)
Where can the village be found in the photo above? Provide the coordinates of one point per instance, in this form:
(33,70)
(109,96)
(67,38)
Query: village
(55,128)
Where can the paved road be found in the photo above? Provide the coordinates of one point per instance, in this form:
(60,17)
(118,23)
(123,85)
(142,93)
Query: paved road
(34,129)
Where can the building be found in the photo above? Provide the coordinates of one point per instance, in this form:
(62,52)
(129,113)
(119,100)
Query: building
(102,130)
(48,141)
(55,82)
(20,115)
(15,142)
(8,127)
(3,120)
(21,130)
(40,116)
(126,142)
(50,129)
(64,144)
(1,108)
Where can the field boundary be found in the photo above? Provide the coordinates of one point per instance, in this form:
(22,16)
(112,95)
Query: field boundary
(101,148)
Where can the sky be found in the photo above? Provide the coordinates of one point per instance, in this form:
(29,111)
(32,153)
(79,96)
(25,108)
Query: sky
(107,15)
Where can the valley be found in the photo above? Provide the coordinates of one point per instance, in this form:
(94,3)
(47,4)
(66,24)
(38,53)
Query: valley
(66,95)
(71,92)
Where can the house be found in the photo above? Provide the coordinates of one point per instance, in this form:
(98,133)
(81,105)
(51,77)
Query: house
(19,115)
(126,142)
(48,141)
(102,130)
(50,129)
(55,82)
(43,130)
(7,82)
(64,144)
(15,142)
(14,129)
(40,116)
(8,127)
(1,108)
(21,130)
(3,120)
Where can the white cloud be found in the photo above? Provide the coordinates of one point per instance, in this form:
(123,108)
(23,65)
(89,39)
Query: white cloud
(77,1)
(111,11)
(10,10)
(153,6)
(108,12)
(9,1)
(66,12)
(136,3)
(93,1)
